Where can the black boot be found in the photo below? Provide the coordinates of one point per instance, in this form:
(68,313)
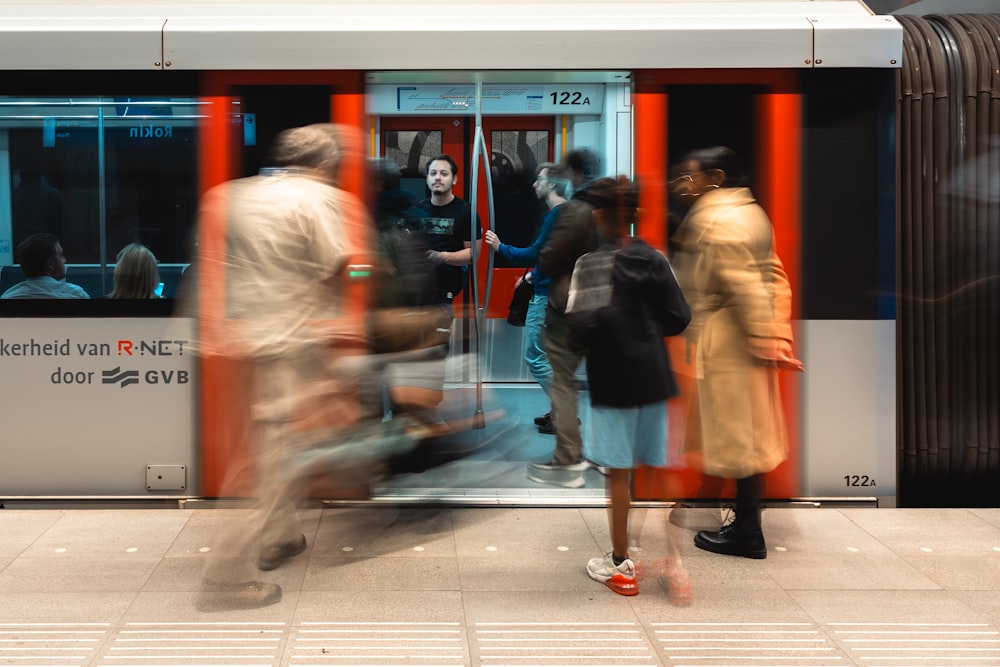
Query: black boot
(743,536)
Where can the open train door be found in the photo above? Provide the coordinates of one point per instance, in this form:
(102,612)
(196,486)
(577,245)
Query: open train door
(759,114)
(243,111)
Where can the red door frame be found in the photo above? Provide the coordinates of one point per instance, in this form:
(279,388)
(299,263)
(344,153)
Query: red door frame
(222,413)
(777,164)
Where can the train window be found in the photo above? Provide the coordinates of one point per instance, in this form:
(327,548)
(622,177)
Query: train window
(514,156)
(410,150)
(709,115)
(99,173)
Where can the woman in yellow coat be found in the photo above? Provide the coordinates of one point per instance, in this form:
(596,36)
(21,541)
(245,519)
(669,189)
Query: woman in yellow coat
(740,302)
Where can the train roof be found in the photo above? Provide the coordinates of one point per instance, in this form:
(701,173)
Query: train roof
(445,34)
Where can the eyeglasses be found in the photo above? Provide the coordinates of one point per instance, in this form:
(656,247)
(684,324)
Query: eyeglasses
(683,177)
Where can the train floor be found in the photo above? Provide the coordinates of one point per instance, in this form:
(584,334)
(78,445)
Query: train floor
(489,586)
(489,463)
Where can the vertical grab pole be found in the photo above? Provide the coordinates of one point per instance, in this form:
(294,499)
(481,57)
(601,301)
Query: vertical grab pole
(491,224)
(479,152)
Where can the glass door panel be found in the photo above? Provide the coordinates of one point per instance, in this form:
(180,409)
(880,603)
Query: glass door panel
(412,142)
(514,156)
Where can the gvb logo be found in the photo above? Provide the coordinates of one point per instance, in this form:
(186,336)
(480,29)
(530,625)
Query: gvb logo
(116,376)
(125,378)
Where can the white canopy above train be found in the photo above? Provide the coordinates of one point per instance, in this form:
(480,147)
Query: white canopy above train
(383,35)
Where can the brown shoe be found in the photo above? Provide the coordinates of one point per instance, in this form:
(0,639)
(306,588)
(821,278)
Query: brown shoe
(273,557)
(246,595)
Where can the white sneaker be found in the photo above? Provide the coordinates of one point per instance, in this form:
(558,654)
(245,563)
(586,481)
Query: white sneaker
(570,476)
(601,469)
(568,467)
(619,578)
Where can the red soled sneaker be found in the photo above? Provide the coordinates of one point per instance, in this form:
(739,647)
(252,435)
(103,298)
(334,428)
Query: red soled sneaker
(619,578)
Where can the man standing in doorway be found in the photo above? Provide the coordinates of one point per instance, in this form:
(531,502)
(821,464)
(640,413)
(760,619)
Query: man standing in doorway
(447,231)
(448,227)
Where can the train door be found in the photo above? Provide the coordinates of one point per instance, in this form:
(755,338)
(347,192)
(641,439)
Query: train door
(758,113)
(242,112)
(518,120)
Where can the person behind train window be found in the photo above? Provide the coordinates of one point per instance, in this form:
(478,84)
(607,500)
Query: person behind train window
(36,206)
(551,186)
(290,233)
(409,276)
(741,301)
(44,265)
(408,313)
(572,235)
(137,274)
(448,226)
(623,301)
(581,165)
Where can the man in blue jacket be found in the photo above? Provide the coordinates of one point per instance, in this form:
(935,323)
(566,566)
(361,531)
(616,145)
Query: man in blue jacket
(550,186)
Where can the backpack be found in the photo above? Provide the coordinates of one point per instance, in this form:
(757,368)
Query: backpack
(590,290)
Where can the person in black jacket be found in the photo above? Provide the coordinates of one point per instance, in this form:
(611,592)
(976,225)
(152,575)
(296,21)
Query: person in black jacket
(623,300)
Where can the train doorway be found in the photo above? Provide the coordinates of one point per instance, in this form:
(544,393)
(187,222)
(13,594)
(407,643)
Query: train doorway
(516,146)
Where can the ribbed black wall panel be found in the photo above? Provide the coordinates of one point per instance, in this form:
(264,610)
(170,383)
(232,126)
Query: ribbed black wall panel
(948,348)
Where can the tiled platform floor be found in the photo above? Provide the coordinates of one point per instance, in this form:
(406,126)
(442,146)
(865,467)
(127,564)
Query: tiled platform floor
(495,586)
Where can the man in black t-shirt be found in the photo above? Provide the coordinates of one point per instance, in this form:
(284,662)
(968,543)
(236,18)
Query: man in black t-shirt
(448,227)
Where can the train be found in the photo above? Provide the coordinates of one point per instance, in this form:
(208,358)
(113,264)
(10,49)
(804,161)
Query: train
(129,112)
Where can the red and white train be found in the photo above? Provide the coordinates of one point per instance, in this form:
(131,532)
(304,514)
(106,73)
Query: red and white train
(131,110)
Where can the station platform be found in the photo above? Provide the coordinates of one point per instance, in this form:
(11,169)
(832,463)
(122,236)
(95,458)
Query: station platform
(490,586)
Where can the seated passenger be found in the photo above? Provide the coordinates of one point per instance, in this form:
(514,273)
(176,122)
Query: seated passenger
(136,274)
(44,265)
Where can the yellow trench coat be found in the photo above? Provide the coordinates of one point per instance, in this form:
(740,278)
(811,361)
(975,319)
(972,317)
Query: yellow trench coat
(736,287)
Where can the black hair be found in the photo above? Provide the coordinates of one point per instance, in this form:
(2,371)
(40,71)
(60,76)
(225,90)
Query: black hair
(447,158)
(556,176)
(618,201)
(725,160)
(581,161)
(35,251)
(386,174)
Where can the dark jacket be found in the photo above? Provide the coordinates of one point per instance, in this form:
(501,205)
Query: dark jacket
(627,361)
(572,235)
